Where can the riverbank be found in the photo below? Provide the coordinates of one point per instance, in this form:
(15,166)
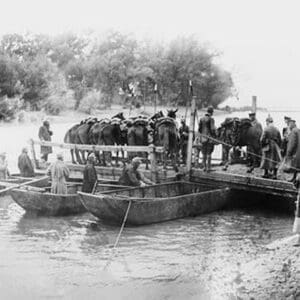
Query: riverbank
(274,274)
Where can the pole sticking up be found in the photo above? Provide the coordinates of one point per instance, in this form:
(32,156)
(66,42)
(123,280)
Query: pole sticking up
(155,97)
(254,104)
(296,227)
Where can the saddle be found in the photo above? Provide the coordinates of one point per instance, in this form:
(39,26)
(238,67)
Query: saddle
(245,122)
(140,122)
(166,121)
(104,121)
(89,120)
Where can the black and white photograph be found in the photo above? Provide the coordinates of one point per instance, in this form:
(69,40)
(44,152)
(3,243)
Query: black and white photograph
(150,150)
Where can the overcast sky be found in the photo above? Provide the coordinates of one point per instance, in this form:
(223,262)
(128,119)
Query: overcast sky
(260,40)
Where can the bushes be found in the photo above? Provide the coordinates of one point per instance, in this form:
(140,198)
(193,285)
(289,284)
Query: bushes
(9,107)
(93,100)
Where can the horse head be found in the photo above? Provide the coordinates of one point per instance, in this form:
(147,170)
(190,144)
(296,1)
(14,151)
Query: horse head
(119,116)
(172,113)
(157,115)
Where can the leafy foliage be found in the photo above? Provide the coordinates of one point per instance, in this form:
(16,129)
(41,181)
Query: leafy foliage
(44,71)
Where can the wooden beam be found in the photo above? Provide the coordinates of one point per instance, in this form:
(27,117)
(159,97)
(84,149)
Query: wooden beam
(147,149)
(191,135)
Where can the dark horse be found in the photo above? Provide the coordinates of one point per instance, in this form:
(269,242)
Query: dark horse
(138,135)
(245,134)
(79,134)
(107,132)
(166,135)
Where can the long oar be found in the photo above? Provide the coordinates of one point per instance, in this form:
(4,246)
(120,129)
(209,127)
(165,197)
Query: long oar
(22,184)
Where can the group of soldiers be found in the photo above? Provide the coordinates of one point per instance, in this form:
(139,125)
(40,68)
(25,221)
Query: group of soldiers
(276,149)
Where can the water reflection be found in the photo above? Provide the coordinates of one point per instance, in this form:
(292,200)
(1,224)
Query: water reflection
(201,254)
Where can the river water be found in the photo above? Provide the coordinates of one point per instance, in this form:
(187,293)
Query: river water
(67,257)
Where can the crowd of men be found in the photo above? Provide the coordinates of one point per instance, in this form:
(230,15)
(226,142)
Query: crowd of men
(278,149)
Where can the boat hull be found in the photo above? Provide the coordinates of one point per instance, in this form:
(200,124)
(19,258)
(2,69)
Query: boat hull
(111,208)
(37,201)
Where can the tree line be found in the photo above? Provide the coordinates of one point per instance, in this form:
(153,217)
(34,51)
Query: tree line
(70,71)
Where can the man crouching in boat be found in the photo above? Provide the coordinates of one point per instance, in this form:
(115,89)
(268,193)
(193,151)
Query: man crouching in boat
(59,173)
(131,176)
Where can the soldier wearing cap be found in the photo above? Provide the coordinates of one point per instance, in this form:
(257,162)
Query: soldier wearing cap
(45,135)
(253,161)
(89,174)
(183,139)
(59,173)
(207,130)
(285,134)
(271,156)
(131,176)
(293,149)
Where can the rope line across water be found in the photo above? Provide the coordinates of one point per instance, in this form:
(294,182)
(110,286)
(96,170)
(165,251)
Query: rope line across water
(118,237)
(248,152)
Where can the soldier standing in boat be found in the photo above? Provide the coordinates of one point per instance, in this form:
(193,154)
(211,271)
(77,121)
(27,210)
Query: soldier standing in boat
(25,164)
(89,175)
(4,173)
(271,155)
(131,176)
(59,173)
(207,131)
(45,135)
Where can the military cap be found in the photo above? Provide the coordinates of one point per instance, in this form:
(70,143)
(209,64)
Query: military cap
(287,118)
(252,114)
(269,119)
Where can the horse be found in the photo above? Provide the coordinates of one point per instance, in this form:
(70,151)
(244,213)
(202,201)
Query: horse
(107,132)
(245,134)
(166,135)
(79,134)
(137,135)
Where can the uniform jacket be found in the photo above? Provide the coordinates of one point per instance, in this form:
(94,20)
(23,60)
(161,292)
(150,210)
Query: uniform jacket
(89,178)
(293,148)
(45,135)
(25,165)
(207,128)
(130,176)
(59,172)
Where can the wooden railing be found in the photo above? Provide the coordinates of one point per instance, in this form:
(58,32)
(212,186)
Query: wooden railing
(151,150)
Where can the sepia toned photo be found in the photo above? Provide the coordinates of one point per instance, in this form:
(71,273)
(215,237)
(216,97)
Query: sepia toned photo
(150,150)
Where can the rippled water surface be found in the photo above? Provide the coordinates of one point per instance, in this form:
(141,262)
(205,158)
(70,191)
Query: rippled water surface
(191,258)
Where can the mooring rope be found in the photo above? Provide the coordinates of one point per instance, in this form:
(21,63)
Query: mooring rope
(118,237)
(282,163)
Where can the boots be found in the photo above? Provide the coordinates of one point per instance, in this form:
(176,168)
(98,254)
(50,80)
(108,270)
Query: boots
(266,175)
(204,163)
(209,169)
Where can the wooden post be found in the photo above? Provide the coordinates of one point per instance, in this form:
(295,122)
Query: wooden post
(296,226)
(32,150)
(254,104)
(155,97)
(191,135)
(152,158)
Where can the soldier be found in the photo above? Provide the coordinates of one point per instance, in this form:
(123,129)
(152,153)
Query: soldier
(271,157)
(25,164)
(285,134)
(89,175)
(293,150)
(253,160)
(207,131)
(183,139)
(59,173)
(131,176)
(4,173)
(45,135)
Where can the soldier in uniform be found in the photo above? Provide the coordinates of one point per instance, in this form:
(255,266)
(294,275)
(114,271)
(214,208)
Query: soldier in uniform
(271,156)
(207,131)
(45,135)
(253,160)
(285,134)
(183,139)
(131,176)
(89,175)
(25,164)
